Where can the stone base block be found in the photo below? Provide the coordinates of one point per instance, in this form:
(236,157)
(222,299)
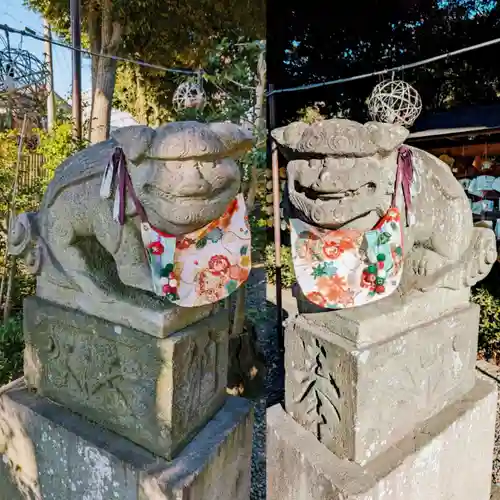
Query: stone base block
(132,309)
(359,400)
(449,456)
(155,392)
(50,453)
(386,318)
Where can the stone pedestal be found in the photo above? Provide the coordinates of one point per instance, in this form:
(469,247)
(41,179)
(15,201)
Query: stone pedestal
(135,309)
(155,392)
(162,425)
(50,453)
(448,457)
(389,393)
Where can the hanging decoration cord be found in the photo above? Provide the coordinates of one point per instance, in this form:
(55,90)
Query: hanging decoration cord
(31,34)
(389,70)
(198,72)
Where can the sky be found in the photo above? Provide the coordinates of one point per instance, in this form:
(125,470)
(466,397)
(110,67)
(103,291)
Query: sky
(15,15)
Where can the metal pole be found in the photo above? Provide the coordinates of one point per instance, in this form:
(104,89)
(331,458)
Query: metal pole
(12,212)
(272,152)
(77,68)
(51,101)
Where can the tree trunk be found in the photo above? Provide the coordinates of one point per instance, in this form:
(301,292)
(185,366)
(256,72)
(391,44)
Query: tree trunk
(140,103)
(111,38)
(260,94)
(102,100)
(7,307)
(94,33)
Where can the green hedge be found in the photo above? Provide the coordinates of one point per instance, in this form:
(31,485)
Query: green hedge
(11,350)
(489,322)
(487,295)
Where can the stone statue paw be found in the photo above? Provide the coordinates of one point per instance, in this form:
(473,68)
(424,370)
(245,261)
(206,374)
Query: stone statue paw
(136,276)
(424,262)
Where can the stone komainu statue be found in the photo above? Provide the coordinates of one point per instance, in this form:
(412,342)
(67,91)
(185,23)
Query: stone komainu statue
(345,176)
(182,174)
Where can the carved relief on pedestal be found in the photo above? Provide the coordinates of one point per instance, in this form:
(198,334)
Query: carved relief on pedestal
(315,388)
(319,393)
(358,401)
(95,370)
(156,392)
(200,365)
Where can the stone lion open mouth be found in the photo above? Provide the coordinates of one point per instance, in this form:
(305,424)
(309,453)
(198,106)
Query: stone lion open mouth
(314,194)
(330,206)
(202,194)
(179,215)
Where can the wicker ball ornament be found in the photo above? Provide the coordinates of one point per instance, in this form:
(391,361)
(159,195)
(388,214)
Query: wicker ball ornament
(395,102)
(189,95)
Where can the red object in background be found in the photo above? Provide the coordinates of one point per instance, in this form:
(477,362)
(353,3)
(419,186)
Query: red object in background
(477,162)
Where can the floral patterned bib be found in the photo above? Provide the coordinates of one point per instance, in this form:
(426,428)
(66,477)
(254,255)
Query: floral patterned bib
(202,267)
(337,269)
(347,268)
(198,268)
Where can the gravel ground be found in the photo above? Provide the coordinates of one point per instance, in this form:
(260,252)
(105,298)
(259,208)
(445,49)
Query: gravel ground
(263,315)
(496,453)
(495,492)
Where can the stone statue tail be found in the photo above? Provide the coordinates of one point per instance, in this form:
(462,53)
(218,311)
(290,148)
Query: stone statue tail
(24,241)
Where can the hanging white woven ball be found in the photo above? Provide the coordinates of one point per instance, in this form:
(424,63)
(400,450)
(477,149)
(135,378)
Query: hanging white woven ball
(395,102)
(189,95)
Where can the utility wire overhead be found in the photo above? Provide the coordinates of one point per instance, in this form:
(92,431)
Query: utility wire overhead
(388,70)
(32,34)
(200,72)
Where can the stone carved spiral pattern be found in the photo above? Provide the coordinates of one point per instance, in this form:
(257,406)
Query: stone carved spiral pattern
(395,102)
(23,241)
(333,139)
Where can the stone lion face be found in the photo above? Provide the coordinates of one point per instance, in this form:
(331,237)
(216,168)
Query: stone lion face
(184,172)
(182,196)
(334,192)
(340,173)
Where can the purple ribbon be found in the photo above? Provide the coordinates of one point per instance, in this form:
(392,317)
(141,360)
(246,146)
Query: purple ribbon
(125,186)
(404,177)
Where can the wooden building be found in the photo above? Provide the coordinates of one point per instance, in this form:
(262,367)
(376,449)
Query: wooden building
(468,140)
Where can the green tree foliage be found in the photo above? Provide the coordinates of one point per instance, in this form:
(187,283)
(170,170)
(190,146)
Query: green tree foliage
(321,41)
(26,198)
(11,350)
(229,80)
(311,114)
(57,145)
(168,33)
(489,321)
(287,272)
